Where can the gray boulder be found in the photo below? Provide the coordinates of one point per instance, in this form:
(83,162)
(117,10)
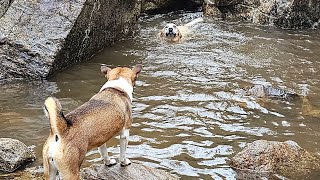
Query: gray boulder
(302,13)
(100,171)
(38,38)
(131,172)
(282,13)
(285,158)
(14,154)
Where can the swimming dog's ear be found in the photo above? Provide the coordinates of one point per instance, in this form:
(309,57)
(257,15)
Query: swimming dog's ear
(104,69)
(161,33)
(179,34)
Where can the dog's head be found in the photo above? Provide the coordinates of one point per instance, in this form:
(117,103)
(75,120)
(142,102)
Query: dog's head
(128,74)
(170,32)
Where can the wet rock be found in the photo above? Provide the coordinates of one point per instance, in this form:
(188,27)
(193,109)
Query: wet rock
(163,6)
(14,154)
(38,38)
(282,13)
(210,8)
(256,11)
(100,171)
(266,91)
(302,13)
(284,158)
(28,173)
(223,2)
(133,171)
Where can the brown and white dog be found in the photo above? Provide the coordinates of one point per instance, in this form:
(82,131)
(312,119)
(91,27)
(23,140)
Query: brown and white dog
(105,115)
(173,33)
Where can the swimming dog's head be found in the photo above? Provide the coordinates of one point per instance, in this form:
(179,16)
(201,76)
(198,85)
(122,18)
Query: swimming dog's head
(171,32)
(130,75)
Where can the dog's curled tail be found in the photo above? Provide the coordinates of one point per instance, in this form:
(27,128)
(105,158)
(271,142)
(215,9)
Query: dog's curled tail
(195,21)
(53,110)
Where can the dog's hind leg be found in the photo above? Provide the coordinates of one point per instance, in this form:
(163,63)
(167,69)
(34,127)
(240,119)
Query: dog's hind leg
(104,154)
(124,136)
(69,163)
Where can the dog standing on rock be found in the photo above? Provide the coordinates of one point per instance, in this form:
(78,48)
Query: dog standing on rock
(105,115)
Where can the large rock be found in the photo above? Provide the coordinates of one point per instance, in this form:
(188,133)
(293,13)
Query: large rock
(131,172)
(284,158)
(100,171)
(14,154)
(38,38)
(163,6)
(302,13)
(256,11)
(282,13)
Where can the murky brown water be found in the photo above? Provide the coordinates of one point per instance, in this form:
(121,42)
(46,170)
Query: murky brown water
(190,116)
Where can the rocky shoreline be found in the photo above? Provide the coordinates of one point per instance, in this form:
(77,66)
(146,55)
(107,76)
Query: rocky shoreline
(15,156)
(259,159)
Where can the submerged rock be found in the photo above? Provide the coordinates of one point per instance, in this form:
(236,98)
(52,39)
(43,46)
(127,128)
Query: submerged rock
(266,91)
(284,158)
(282,13)
(38,38)
(14,154)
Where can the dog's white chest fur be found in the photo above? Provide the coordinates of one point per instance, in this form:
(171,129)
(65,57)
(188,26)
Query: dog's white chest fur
(119,83)
(53,148)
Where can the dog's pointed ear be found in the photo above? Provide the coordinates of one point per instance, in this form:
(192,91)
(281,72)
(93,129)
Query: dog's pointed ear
(161,33)
(104,69)
(179,34)
(137,69)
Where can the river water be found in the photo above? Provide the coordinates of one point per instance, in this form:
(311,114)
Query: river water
(190,114)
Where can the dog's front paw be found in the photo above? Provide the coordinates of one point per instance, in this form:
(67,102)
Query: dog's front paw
(126,162)
(110,162)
